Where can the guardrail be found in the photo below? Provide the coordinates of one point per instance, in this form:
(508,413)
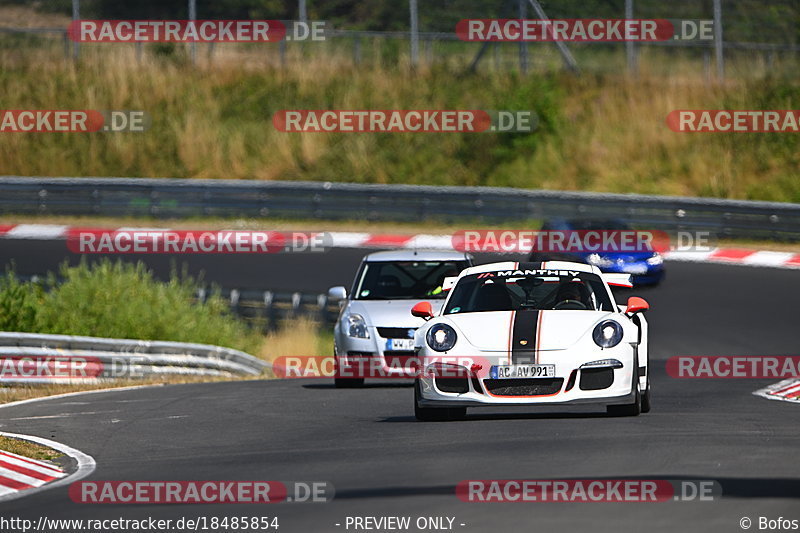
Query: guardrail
(37,358)
(269,309)
(177,198)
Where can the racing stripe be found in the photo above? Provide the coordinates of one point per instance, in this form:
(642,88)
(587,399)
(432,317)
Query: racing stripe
(524,330)
(524,333)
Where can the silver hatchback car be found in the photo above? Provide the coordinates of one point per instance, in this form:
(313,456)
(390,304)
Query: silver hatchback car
(375,324)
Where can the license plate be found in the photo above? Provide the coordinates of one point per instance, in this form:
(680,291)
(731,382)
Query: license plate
(399,344)
(522,371)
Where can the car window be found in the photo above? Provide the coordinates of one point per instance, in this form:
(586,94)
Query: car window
(501,291)
(398,280)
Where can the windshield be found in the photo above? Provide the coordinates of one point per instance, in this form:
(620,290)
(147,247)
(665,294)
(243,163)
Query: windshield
(405,280)
(512,290)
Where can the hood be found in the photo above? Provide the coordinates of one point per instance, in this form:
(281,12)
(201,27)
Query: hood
(498,331)
(390,313)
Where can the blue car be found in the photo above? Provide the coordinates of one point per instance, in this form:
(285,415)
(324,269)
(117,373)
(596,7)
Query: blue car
(646,267)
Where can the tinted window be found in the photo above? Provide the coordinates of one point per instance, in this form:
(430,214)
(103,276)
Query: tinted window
(481,292)
(397,280)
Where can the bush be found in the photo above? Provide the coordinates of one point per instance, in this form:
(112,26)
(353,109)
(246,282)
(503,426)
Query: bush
(19,303)
(120,300)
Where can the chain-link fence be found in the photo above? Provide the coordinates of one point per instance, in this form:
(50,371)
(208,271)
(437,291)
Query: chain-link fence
(752,37)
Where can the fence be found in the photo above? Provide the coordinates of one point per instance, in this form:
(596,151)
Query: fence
(37,358)
(180,198)
(268,310)
(771,20)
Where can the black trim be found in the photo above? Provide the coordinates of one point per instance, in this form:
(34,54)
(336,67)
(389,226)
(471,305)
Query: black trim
(523,336)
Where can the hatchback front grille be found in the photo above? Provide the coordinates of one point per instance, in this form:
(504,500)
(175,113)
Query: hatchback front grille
(397,333)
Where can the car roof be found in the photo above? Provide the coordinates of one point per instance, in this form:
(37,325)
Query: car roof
(416,255)
(515,265)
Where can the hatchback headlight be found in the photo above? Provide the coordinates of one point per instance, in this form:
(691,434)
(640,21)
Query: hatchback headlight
(655,260)
(357,326)
(607,334)
(441,337)
(599,261)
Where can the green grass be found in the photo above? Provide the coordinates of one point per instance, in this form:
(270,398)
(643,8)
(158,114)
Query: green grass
(119,300)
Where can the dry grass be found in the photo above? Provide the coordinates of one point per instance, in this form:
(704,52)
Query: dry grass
(302,337)
(30,17)
(602,133)
(29,449)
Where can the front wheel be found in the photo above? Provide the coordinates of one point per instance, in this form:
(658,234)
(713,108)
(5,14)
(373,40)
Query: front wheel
(629,409)
(435,414)
(346,383)
(646,397)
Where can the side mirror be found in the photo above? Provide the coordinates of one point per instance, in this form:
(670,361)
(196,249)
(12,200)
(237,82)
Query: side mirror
(337,293)
(422,310)
(637,305)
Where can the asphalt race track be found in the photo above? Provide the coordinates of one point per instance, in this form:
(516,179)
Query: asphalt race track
(382,462)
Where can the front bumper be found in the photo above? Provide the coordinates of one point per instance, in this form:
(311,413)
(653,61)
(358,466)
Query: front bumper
(370,358)
(564,389)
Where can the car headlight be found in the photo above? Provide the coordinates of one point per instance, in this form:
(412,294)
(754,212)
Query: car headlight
(607,334)
(356,326)
(441,337)
(655,260)
(599,261)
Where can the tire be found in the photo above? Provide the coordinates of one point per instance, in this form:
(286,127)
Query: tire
(347,383)
(629,409)
(646,397)
(435,414)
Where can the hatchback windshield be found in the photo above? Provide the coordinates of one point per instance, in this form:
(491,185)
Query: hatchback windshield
(515,290)
(405,280)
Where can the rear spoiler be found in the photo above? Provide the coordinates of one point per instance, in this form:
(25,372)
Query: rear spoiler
(617,280)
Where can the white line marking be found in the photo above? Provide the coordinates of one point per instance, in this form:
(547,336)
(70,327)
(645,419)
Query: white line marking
(37,231)
(436,242)
(77,393)
(31,464)
(791,385)
(22,478)
(65,415)
(767,258)
(86,465)
(348,239)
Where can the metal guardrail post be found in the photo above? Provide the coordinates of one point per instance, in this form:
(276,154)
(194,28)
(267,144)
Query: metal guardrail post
(190,198)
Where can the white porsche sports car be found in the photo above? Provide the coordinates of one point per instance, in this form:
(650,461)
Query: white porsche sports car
(532,334)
